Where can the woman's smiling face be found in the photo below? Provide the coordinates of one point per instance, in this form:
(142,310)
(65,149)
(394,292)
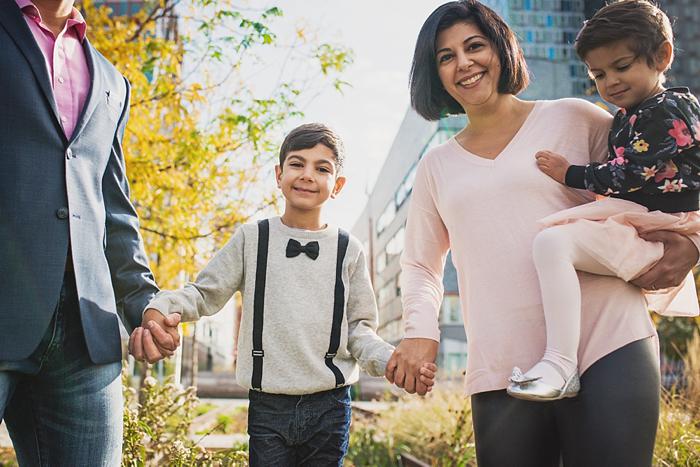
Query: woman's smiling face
(468,65)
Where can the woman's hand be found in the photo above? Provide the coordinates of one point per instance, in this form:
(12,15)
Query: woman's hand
(552,164)
(404,365)
(680,255)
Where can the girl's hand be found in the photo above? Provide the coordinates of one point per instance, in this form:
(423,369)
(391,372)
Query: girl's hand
(552,164)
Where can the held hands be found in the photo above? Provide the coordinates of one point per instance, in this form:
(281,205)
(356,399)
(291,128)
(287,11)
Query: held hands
(157,338)
(552,164)
(410,367)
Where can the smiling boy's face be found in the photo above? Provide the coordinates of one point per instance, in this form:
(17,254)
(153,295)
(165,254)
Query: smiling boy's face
(308,178)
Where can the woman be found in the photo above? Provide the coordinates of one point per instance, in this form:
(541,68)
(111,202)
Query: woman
(480,195)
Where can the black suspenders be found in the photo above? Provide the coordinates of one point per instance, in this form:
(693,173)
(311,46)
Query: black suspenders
(338,308)
(259,305)
(259,302)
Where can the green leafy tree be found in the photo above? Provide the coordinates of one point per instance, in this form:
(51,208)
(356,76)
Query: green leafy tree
(206,117)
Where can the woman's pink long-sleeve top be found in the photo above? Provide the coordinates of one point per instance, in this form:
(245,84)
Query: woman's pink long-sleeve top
(486,211)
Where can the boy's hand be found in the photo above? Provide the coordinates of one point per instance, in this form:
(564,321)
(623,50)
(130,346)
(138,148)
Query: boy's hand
(157,338)
(427,374)
(553,165)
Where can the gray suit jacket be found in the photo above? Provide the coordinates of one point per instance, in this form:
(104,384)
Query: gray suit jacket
(54,191)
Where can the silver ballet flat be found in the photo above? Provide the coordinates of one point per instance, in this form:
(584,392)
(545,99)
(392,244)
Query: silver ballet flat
(532,389)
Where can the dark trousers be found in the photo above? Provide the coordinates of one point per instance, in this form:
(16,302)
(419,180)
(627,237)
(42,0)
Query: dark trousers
(309,430)
(60,408)
(611,423)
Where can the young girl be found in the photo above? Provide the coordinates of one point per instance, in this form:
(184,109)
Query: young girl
(651,181)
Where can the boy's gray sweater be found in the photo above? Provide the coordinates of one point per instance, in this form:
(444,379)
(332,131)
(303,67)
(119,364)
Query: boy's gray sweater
(298,310)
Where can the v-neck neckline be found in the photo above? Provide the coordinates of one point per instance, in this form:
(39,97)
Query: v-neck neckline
(481,160)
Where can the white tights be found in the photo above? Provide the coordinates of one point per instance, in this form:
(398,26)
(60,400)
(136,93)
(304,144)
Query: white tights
(558,254)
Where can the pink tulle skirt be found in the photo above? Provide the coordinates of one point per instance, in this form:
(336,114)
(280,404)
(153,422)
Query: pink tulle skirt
(609,230)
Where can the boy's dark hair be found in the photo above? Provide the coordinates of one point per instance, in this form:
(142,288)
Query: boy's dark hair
(639,22)
(307,136)
(428,96)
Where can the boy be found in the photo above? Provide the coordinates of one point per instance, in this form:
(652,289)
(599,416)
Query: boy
(309,314)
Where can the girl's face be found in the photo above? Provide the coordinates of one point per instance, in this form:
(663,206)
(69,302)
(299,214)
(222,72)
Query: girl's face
(468,65)
(622,77)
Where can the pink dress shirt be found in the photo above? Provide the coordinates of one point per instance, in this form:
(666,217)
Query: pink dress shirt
(65,62)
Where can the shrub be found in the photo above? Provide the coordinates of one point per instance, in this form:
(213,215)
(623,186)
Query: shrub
(436,427)
(157,430)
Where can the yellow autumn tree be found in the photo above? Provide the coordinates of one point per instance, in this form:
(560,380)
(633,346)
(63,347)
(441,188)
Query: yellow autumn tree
(201,134)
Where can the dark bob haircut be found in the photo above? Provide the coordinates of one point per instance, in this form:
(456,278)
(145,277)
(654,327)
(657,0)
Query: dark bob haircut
(638,22)
(428,96)
(307,136)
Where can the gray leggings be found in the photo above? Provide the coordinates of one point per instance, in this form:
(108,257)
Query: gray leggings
(612,422)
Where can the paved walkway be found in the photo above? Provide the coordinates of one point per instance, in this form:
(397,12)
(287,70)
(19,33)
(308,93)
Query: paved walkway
(218,441)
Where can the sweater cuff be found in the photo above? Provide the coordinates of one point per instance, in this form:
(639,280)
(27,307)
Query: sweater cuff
(576,176)
(378,367)
(163,305)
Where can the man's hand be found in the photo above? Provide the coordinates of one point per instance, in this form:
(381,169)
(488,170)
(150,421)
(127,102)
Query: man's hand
(553,165)
(680,255)
(157,338)
(404,365)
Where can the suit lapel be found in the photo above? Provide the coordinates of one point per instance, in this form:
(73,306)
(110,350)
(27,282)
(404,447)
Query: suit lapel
(96,92)
(13,21)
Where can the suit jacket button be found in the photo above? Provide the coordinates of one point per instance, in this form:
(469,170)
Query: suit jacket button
(62,213)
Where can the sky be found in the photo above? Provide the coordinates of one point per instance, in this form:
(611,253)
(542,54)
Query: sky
(382,35)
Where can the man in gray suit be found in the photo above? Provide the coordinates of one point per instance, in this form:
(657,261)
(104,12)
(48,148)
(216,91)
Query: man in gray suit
(71,257)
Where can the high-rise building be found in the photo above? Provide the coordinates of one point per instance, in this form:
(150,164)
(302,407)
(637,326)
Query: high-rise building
(546,30)
(685,17)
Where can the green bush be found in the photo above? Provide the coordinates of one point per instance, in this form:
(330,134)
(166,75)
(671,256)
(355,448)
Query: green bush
(157,429)
(436,428)
(367,448)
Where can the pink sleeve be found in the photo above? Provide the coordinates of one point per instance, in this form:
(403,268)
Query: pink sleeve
(423,261)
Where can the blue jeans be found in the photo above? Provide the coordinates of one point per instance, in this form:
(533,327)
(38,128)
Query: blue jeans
(59,407)
(309,430)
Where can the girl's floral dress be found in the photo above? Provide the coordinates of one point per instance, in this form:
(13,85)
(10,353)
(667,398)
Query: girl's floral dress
(650,181)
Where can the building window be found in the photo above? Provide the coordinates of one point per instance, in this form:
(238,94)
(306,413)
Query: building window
(396,244)
(386,217)
(381,262)
(123,7)
(450,311)
(406,186)
(387,293)
(453,363)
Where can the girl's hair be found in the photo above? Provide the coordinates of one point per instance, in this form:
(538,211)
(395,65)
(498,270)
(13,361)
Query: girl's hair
(638,22)
(428,96)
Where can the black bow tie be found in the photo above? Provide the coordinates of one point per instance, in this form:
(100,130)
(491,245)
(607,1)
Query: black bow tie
(294,248)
